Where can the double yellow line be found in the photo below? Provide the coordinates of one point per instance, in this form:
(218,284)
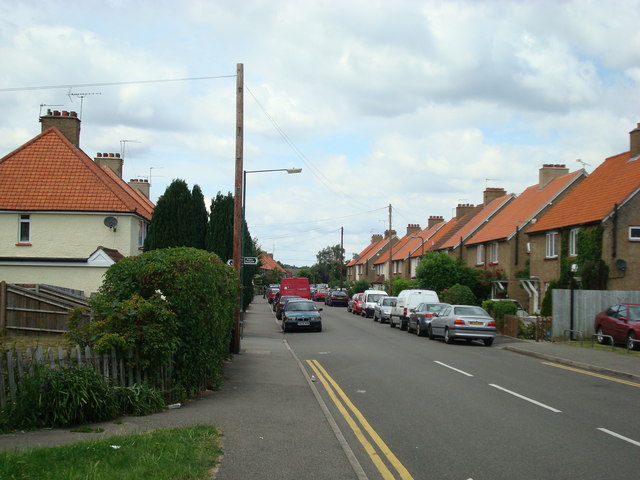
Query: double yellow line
(358,424)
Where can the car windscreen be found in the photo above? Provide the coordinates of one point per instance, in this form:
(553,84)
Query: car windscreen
(300,306)
(469,311)
(374,297)
(435,307)
(338,294)
(634,313)
(389,302)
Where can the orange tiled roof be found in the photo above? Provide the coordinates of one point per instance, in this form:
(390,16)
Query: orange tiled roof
(613,182)
(523,208)
(415,248)
(268,263)
(399,245)
(477,217)
(443,234)
(48,173)
(368,252)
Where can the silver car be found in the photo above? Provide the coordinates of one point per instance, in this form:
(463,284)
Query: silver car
(463,321)
(382,309)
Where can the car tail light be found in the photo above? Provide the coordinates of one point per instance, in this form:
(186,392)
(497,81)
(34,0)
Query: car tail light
(428,315)
(492,323)
(459,322)
(405,311)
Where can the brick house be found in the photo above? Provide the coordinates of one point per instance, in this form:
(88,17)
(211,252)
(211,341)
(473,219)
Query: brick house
(361,267)
(604,207)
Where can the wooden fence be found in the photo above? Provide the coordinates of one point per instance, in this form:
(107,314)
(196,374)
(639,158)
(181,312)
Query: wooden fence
(36,309)
(542,327)
(118,369)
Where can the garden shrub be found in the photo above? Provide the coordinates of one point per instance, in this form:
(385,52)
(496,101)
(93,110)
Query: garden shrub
(178,301)
(60,397)
(498,309)
(459,295)
(138,399)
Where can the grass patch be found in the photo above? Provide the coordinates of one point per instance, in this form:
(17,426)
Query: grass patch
(187,453)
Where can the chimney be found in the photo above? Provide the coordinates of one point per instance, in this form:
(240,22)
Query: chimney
(634,140)
(433,221)
(376,238)
(386,233)
(111,160)
(462,209)
(142,185)
(550,172)
(67,122)
(490,194)
(413,228)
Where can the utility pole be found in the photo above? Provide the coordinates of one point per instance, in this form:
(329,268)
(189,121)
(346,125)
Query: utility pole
(341,254)
(237,201)
(390,255)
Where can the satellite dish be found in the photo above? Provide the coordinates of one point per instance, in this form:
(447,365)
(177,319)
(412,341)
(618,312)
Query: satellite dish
(621,264)
(111,222)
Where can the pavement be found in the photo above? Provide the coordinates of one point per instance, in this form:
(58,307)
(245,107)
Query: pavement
(273,420)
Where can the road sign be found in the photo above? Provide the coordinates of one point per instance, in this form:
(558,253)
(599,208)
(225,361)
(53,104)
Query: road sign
(250,260)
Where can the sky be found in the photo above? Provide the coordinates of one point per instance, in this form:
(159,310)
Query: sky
(417,105)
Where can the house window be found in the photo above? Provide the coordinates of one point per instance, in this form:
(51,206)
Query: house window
(551,250)
(493,253)
(24,229)
(480,255)
(634,234)
(573,242)
(142,233)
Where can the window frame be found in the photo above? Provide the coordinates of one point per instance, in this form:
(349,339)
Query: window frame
(24,219)
(573,242)
(634,238)
(493,253)
(551,248)
(480,256)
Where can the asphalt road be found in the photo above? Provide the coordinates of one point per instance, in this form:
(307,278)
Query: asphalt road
(422,409)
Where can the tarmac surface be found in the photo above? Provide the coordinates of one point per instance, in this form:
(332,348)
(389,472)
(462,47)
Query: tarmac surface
(274,423)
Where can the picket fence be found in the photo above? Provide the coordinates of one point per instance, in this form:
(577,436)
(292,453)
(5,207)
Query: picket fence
(119,369)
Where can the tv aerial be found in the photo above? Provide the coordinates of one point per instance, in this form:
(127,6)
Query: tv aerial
(123,144)
(81,95)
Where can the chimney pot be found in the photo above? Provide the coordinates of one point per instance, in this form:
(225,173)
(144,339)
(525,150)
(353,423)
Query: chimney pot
(117,155)
(73,114)
(56,113)
(65,113)
(98,155)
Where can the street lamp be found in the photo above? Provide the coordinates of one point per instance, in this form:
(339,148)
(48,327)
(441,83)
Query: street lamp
(240,315)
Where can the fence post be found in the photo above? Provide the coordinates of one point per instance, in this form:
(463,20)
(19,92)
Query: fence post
(3,307)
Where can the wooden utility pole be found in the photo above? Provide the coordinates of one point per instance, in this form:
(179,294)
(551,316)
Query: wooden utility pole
(390,255)
(341,254)
(237,201)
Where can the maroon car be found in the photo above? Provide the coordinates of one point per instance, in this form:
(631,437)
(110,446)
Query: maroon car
(620,321)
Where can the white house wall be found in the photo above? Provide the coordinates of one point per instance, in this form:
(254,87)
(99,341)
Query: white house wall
(87,279)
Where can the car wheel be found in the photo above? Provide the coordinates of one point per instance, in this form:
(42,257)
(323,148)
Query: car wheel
(430,333)
(403,326)
(319,329)
(631,345)
(447,338)
(419,330)
(488,342)
(601,340)
(391,324)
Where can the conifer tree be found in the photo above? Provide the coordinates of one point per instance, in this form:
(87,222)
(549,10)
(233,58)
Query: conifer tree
(172,223)
(200,218)
(220,232)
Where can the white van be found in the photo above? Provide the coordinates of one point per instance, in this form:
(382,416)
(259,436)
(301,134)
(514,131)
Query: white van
(369,301)
(407,301)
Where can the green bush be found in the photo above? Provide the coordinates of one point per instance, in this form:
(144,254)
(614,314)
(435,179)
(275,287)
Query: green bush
(190,287)
(59,398)
(498,309)
(459,295)
(138,400)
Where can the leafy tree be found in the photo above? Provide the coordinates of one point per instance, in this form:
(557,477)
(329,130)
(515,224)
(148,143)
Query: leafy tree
(329,262)
(400,284)
(200,218)
(358,286)
(305,273)
(437,271)
(459,295)
(172,224)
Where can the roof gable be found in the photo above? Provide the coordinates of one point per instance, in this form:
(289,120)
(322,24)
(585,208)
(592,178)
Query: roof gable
(610,184)
(523,208)
(48,173)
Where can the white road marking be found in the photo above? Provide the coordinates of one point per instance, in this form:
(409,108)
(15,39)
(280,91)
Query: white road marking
(454,369)
(617,435)
(526,398)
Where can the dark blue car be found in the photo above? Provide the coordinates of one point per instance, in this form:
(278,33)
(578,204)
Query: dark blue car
(301,315)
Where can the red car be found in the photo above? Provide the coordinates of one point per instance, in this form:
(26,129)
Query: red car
(271,294)
(356,305)
(320,295)
(620,321)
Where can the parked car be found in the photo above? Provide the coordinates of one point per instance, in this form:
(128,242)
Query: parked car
(301,315)
(620,321)
(369,301)
(420,318)
(337,298)
(356,306)
(382,309)
(408,300)
(320,294)
(282,301)
(273,291)
(463,321)
(298,286)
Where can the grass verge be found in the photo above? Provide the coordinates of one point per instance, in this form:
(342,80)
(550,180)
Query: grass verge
(187,453)
(619,350)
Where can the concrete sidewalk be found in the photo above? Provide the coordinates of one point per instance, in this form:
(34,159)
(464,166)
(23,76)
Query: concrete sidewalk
(272,423)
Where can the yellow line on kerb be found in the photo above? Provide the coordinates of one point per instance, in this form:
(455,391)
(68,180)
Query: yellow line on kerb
(332,388)
(593,374)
